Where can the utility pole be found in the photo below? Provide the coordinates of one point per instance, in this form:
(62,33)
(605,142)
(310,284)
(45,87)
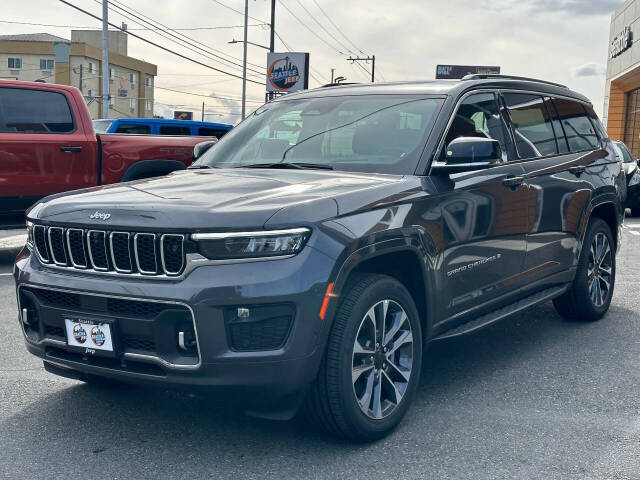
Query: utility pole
(372,59)
(272,42)
(80,82)
(333,71)
(105,59)
(203,111)
(244,59)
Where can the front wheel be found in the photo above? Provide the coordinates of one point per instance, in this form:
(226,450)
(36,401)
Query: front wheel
(589,296)
(372,363)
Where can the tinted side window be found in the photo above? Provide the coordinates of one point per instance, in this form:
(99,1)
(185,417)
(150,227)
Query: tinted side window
(531,123)
(211,132)
(479,116)
(579,130)
(563,146)
(171,130)
(602,132)
(34,111)
(136,129)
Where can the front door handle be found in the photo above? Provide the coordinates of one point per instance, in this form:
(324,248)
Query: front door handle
(513,182)
(71,149)
(577,170)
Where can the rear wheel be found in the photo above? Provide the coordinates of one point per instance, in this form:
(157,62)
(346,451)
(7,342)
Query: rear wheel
(589,296)
(372,364)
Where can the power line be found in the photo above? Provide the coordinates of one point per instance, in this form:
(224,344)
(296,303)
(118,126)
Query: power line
(207,95)
(135,35)
(182,29)
(169,36)
(309,28)
(338,28)
(342,45)
(239,12)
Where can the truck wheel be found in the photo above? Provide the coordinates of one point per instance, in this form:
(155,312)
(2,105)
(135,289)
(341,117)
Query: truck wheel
(589,296)
(371,367)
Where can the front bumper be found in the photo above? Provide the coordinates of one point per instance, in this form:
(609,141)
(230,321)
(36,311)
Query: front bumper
(204,298)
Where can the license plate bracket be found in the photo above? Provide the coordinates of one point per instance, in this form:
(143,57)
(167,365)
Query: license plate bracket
(90,336)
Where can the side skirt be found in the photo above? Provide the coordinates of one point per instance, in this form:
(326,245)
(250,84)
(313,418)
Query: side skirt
(496,315)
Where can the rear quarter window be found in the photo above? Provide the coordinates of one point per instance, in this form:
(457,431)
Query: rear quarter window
(24,110)
(171,130)
(134,129)
(579,129)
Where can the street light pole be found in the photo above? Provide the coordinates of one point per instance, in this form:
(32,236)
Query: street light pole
(272,41)
(105,59)
(244,59)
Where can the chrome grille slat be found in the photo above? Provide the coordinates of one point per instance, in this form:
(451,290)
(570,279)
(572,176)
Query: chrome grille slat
(146,257)
(56,245)
(73,236)
(121,262)
(112,252)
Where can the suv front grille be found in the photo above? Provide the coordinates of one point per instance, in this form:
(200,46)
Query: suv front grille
(104,251)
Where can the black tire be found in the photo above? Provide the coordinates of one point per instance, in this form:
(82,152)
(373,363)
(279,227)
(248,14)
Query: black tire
(331,405)
(576,303)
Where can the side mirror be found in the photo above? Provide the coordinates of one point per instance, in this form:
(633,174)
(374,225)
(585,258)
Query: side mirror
(200,148)
(469,153)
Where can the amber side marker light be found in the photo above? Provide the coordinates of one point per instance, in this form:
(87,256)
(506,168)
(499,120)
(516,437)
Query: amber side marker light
(325,303)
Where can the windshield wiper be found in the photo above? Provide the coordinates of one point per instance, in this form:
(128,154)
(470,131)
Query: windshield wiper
(290,165)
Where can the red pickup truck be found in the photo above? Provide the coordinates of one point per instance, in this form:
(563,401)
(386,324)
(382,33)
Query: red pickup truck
(48,145)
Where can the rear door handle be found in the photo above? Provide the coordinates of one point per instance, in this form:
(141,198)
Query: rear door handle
(577,169)
(72,149)
(513,182)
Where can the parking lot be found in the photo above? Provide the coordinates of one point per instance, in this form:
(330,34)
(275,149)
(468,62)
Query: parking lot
(532,397)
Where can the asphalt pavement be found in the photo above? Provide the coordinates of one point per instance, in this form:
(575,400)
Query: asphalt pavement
(533,397)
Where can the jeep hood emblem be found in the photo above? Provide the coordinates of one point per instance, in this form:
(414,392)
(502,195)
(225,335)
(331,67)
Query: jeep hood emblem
(100,216)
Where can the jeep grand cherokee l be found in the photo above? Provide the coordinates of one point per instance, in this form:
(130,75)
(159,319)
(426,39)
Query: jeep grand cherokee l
(306,260)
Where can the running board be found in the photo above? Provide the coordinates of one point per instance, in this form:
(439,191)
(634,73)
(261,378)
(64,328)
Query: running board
(492,317)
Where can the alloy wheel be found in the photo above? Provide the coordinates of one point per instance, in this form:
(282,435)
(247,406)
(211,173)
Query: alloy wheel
(382,359)
(600,269)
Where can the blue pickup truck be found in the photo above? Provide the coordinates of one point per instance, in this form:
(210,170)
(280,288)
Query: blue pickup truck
(160,126)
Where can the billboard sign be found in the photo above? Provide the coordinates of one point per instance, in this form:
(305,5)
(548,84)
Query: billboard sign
(287,72)
(178,115)
(456,72)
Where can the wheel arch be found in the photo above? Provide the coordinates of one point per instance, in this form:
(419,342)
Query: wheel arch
(609,211)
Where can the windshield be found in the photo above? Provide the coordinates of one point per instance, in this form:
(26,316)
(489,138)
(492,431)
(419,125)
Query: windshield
(623,152)
(101,126)
(373,133)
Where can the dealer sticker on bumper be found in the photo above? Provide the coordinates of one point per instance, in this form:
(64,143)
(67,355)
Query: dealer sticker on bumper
(88,334)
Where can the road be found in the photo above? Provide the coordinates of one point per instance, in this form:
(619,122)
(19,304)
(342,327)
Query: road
(533,397)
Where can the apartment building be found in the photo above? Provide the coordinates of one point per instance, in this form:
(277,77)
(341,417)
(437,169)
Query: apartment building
(78,62)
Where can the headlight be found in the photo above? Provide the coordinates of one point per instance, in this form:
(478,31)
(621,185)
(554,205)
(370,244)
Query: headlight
(239,245)
(29,234)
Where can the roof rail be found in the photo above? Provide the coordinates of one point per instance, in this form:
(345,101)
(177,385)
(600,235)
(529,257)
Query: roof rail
(338,84)
(483,76)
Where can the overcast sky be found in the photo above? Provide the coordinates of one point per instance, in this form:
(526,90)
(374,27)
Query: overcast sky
(558,40)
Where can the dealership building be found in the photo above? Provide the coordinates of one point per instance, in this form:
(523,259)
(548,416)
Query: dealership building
(621,111)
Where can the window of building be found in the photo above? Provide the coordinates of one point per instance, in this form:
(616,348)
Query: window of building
(91,93)
(34,111)
(580,132)
(531,123)
(149,105)
(112,100)
(211,132)
(112,74)
(133,78)
(92,68)
(148,81)
(132,103)
(14,63)
(479,116)
(174,130)
(134,129)
(46,64)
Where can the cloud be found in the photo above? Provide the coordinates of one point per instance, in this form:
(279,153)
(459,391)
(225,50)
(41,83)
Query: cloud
(591,69)
(231,106)
(573,7)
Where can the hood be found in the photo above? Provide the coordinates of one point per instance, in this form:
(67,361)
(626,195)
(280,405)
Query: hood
(210,199)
